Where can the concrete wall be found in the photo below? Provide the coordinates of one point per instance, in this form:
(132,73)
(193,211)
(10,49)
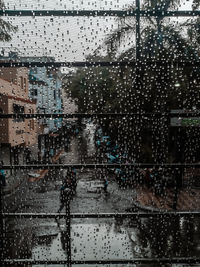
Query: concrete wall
(22,132)
(69,105)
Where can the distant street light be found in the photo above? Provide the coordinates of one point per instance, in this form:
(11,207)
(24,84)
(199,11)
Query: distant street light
(177,84)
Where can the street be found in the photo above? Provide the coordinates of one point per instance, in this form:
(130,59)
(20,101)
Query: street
(45,239)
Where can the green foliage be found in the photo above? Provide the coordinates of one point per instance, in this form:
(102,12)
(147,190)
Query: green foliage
(149,89)
(115,90)
(93,89)
(5,27)
(196,4)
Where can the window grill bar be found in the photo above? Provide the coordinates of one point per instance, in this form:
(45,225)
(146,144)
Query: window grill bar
(103,215)
(102,262)
(99,115)
(99,13)
(138,37)
(138,13)
(53,64)
(100,165)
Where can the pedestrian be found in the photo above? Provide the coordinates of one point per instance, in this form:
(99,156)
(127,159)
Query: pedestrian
(65,193)
(2,175)
(105,186)
(74,180)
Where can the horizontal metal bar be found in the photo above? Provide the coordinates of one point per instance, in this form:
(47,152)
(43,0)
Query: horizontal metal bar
(101,13)
(103,262)
(103,215)
(47,166)
(101,115)
(135,64)
(64,64)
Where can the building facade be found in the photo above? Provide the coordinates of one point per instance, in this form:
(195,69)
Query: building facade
(16,134)
(45,87)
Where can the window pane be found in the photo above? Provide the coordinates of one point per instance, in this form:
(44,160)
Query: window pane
(115,132)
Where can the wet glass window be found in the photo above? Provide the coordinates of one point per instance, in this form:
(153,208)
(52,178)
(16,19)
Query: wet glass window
(99,133)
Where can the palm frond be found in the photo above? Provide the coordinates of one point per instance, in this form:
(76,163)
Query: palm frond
(161,5)
(6,27)
(113,40)
(195,4)
(2,6)
(174,45)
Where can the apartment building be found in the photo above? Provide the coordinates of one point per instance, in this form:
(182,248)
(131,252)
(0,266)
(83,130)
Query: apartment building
(16,134)
(45,87)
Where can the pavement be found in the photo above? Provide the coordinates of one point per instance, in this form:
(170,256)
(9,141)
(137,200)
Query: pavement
(143,198)
(14,181)
(188,199)
(46,238)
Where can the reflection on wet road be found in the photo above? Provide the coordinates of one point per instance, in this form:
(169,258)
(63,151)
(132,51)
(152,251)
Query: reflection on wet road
(45,239)
(89,240)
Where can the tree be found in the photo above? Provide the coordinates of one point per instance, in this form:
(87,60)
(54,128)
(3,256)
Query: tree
(93,88)
(157,91)
(5,27)
(196,4)
(160,41)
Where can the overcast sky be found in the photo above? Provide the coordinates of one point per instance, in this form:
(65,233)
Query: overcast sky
(65,38)
(74,4)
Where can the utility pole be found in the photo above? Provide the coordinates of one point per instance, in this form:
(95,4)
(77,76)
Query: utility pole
(2,228)
(68,225)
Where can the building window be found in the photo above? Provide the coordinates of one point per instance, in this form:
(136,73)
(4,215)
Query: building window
(130,70)
(24,84)
(21,82)
(17,109)
(59,93)
(32,126)
(34,92)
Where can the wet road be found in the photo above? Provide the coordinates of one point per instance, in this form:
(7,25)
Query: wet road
(45,239)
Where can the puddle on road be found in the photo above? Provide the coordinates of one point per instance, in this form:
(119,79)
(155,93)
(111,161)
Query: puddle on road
(89,241)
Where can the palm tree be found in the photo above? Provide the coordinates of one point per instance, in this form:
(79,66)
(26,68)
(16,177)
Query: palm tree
(160,42)
(5,27)
(196,4)
(126,26)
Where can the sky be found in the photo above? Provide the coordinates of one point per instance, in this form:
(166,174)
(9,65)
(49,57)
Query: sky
(66,4)
(65,38)
(75,4)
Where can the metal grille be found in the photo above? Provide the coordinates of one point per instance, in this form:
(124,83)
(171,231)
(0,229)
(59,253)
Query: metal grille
(138,13)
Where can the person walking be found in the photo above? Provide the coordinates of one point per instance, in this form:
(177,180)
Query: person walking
(73,180)
(65,193)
